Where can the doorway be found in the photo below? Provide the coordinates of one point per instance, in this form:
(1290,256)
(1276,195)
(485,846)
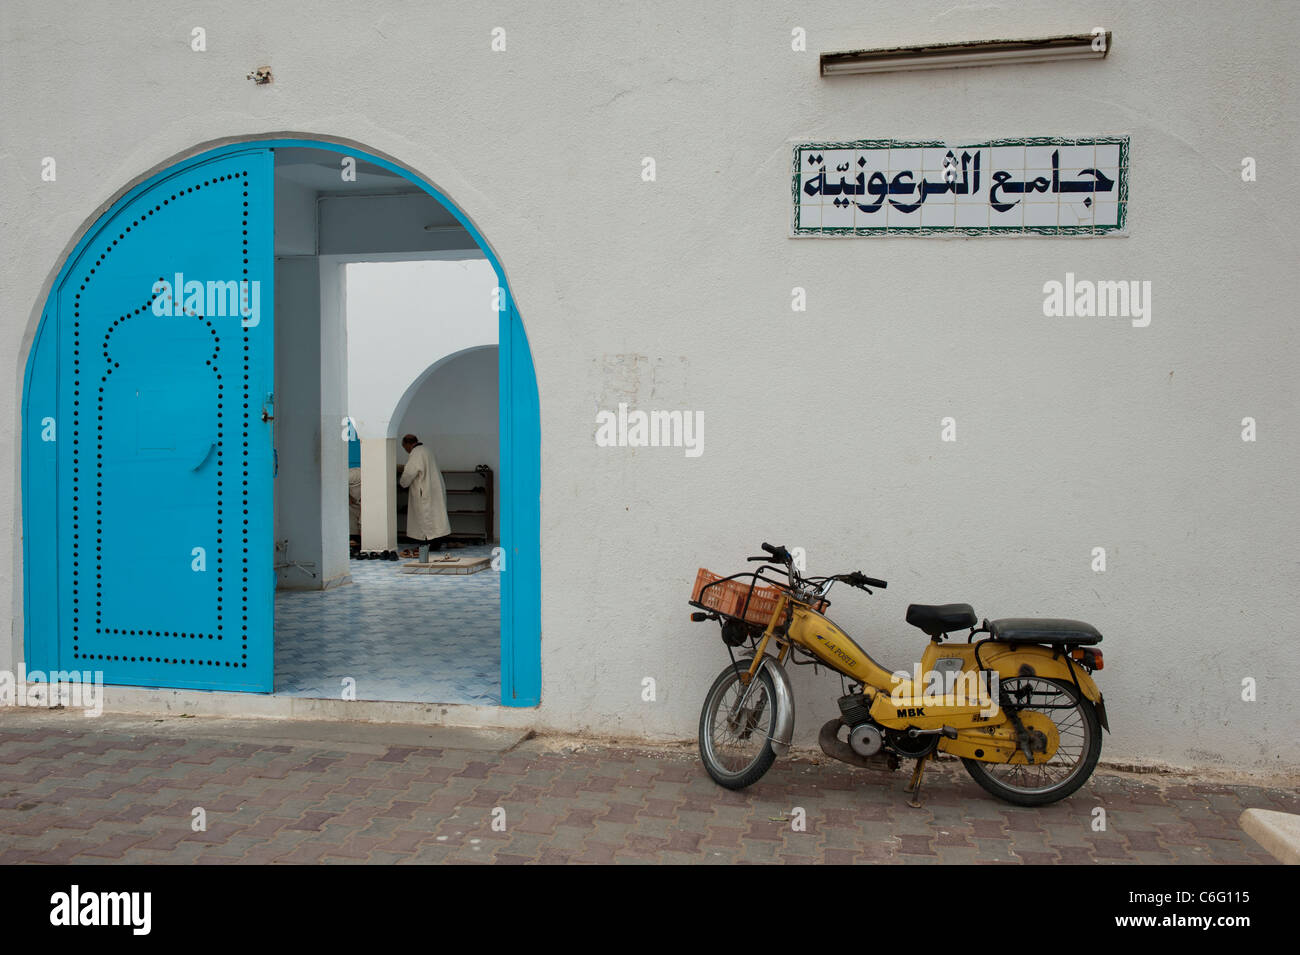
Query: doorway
(419,338)
(148,458)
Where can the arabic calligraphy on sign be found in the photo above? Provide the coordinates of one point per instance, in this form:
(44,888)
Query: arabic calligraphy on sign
(1042,186)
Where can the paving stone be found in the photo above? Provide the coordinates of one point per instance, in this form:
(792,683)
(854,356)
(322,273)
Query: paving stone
(95,794)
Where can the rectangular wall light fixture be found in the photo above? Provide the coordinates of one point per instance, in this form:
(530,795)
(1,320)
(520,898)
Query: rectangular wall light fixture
(942,56)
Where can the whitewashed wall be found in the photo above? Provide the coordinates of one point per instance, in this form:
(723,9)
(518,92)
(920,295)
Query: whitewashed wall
(403,319)
(298,426)
(823,427)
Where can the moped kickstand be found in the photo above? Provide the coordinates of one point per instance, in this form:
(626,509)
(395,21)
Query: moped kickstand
(914,786)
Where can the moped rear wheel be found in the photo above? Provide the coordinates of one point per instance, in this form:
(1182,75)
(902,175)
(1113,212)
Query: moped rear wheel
(1078,746)
(735,740)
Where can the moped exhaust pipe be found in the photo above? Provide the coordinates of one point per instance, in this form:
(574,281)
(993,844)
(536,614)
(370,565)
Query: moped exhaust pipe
(834,747)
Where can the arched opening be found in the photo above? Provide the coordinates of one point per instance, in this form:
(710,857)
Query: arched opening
(146,556)
(418,383)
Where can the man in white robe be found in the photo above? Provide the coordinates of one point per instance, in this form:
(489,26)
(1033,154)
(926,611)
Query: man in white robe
(354,503)
(426,506)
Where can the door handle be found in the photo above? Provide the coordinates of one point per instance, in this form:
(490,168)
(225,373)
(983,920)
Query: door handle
(206,454)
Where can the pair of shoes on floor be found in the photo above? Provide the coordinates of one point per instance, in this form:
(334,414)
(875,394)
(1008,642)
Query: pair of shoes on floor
(377,555)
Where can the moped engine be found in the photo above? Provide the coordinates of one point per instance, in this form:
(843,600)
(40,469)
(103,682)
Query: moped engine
(865,746)
(865,740)
(865,737)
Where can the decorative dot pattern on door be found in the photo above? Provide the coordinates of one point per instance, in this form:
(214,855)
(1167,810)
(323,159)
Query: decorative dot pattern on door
(163,497)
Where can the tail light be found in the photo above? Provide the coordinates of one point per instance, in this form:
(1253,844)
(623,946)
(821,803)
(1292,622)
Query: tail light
(1089,657)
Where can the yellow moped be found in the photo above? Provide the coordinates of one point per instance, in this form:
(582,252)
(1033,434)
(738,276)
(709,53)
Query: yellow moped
(1018,706)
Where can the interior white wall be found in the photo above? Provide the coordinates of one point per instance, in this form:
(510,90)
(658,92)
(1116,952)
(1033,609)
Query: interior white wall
(310,502)
(295,218)
(378,494)
(333,472)
(454,412)
(298,423)
(822,426)
(367,225)
(404,317)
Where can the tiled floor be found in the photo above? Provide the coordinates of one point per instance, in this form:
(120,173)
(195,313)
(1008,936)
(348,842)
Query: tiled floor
(408,637)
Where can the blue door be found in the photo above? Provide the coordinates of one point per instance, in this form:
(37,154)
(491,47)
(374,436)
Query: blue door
(164,455)
(521,595)
(147,453)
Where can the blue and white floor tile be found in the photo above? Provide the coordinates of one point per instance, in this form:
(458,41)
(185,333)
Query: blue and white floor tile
(421,638)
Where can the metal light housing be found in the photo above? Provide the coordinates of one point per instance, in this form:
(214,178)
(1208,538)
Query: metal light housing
(942,56)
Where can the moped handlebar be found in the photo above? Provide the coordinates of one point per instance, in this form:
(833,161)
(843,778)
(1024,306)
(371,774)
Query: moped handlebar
(862,581)
(779,554)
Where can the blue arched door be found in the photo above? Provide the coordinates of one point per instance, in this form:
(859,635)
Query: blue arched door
(147,442)
(162,439)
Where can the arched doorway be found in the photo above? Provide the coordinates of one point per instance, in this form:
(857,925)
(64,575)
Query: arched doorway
(147,458)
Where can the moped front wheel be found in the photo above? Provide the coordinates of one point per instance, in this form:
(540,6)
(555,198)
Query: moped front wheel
(1076,749)
(736,728)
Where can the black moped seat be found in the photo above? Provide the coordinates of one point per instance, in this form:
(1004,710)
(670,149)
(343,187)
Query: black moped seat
(938,619)
(1070,633)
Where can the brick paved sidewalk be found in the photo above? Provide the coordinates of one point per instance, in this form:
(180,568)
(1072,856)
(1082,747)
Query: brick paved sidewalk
(119,789)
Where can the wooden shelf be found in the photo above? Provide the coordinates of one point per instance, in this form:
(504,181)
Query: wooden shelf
(483,476)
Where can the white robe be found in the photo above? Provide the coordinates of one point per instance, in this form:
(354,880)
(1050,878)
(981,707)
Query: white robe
(354,501)
(426,507)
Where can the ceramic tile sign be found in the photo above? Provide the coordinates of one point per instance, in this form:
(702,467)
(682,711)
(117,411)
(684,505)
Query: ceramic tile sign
(1036,186)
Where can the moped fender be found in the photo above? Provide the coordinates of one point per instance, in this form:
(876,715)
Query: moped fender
(1013,660)
(783,725)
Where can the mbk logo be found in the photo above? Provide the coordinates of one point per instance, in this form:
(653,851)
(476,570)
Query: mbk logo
(912,711)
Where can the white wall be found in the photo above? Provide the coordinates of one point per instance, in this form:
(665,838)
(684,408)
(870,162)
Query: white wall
(822,427)
(387,224)
(333,411)
(454,412)
(404,317)
(298,432)
(295,218)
